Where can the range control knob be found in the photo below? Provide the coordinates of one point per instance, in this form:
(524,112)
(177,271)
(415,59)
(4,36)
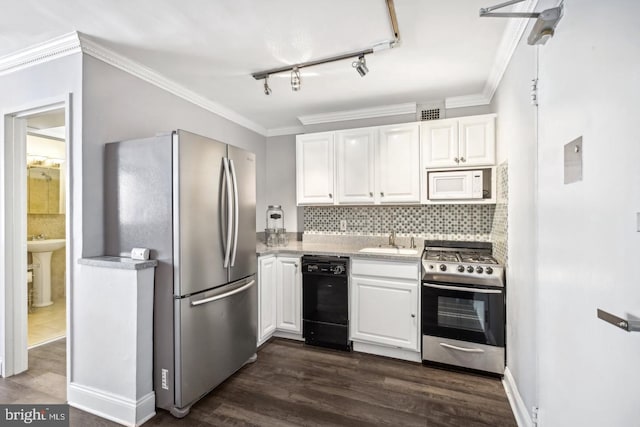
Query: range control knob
(470,269)
(478,269)
(488,270)
(443,267)
(461,268)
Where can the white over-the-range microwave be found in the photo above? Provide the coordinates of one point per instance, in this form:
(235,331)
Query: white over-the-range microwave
(459,184)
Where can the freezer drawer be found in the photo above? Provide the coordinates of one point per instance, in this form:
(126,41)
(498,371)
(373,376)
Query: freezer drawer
(216,335)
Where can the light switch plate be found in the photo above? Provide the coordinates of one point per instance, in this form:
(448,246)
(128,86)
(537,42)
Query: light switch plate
(573,161)
(343,225)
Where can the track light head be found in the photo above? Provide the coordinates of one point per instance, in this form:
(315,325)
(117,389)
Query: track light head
(295,79)
(361,66)
(267,89)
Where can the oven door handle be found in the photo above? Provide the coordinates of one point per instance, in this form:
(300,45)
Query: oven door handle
(466,350)
(461,289)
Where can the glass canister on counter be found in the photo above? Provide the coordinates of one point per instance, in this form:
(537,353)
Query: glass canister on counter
(275,233)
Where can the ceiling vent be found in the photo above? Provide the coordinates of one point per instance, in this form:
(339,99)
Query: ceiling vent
(430,112)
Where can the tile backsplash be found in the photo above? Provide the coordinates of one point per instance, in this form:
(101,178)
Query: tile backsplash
(499,227)
(452,222)
(473,222)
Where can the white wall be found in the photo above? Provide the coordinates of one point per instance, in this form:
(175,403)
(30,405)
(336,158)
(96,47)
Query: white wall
(589,246)
(516,140)
(119,106)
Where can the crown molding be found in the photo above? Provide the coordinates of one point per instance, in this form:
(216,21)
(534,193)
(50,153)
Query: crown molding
(67,44)
(76,42)
(466,101)
(364,113)
(287,130)
(507,47)
(127,65)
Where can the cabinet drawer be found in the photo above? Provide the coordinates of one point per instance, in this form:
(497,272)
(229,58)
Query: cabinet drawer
(378,268)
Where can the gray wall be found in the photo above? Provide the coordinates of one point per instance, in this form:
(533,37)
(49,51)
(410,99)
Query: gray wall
(281,155)
(516,138)
(26,89)
(119,106)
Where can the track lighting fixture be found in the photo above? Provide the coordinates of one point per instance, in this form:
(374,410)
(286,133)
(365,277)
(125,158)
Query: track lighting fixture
(544,27)
(361,66)
(295,79)
(267,89)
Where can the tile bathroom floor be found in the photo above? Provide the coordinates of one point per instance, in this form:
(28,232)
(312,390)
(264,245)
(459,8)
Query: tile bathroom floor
(47,323)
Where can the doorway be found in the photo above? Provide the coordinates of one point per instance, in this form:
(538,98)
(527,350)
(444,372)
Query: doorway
(46,227)
(36,230)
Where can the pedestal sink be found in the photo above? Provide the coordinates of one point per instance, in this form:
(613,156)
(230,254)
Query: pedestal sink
(41,251)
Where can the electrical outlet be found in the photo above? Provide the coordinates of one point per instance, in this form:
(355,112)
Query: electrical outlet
(343,225)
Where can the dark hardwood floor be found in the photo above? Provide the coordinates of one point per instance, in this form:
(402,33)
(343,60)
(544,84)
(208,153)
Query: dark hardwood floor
(294,385)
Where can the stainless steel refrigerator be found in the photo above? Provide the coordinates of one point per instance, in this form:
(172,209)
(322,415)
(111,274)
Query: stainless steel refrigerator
(192,201)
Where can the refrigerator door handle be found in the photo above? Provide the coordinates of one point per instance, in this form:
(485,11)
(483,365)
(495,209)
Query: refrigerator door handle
(227,250)
(225,295)
(236,212)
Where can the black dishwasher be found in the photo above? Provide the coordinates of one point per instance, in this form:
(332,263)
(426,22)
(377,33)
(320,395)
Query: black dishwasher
(325,301)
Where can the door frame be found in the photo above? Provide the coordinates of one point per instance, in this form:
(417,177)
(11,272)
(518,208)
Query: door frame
(13,231)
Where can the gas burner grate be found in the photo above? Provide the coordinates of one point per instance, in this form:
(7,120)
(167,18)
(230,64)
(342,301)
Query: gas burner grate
(478,258)
(445,256)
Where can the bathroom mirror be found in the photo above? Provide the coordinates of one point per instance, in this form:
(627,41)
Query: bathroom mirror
(43,190)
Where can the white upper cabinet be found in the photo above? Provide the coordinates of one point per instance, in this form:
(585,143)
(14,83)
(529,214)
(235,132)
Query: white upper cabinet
(477,140)
(355,164)
(314,168)
(399,164)
(459,142)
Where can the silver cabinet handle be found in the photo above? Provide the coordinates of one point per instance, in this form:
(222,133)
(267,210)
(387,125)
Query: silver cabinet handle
(381,194)
(413,315)
(466,350)
(236,212)
(461,289)
(227,251)
(455,159)
(222,296)
(624,324)
(371,194)
(462,159)
(330,196)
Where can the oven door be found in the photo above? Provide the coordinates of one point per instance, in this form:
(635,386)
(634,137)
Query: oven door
(463,312)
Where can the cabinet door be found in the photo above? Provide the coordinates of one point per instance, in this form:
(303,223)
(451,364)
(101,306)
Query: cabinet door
(289,295)
(355,163)
(440,143)
(384,311)
(314,168)
(477,140)
(266,297)
(398,159)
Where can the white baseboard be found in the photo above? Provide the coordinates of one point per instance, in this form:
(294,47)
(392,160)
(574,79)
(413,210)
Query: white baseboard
(520,412)
(112,407)
(380,350)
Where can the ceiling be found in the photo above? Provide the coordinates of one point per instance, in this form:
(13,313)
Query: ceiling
(212,48)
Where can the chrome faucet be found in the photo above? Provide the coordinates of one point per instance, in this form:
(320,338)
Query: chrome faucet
(40,236)
(413,243)
(392,238)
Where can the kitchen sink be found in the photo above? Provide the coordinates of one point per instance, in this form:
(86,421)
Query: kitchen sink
(389,251)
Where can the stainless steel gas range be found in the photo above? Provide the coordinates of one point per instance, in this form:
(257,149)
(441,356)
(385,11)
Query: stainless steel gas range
(463,306)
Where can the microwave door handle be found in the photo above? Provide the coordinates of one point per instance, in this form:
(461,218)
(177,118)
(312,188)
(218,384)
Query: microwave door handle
(227,251)
(461,289)
(236,213)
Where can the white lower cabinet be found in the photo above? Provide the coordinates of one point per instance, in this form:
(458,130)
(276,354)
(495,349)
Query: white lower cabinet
(385,303)
(267,280)
(279,296)
(289,295)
